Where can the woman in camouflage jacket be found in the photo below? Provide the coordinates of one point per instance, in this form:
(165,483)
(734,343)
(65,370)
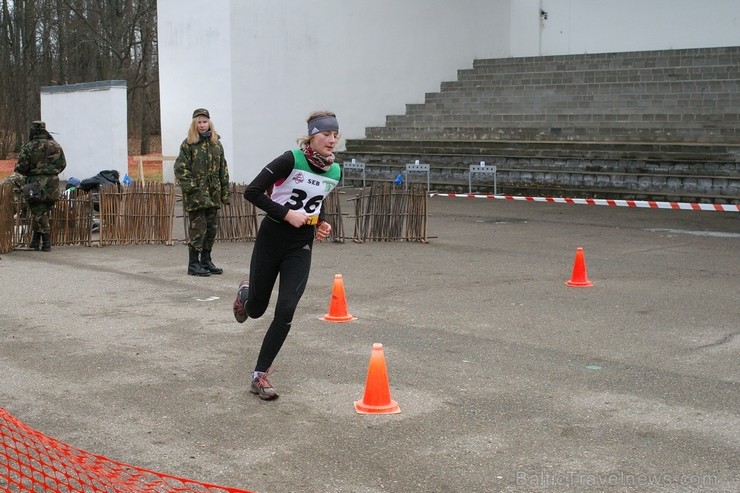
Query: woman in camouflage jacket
(201,172)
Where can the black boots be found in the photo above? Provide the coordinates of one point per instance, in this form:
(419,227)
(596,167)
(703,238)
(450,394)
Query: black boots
(202,266)
(40,241)
(194,266)
(45,242)
(205,261)
(35,241)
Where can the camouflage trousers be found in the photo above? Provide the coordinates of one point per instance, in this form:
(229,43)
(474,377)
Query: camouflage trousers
(40,213)
(202,228)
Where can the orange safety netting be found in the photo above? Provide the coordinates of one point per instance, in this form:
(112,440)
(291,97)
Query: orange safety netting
(32,462)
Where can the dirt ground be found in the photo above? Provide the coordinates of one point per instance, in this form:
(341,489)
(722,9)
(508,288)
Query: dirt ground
(507,379)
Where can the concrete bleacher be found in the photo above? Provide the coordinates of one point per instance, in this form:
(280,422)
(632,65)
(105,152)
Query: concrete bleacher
(673,112)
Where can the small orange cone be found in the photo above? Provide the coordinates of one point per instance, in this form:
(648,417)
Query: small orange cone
(338,306)
(377,398)
(579,278)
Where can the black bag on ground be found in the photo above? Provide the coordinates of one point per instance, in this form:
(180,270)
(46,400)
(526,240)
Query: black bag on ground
(93,184)
(105,177)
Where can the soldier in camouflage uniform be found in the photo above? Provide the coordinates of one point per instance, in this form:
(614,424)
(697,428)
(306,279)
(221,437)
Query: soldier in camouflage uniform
(201,172)
(40,161)
(17,181)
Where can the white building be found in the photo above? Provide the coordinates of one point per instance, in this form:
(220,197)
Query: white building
(89,122)
(261,67)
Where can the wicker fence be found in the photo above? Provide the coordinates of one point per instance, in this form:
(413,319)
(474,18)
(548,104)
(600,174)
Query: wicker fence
(142,213)
(145,213)
(139,214)
(385,212)
(8,213)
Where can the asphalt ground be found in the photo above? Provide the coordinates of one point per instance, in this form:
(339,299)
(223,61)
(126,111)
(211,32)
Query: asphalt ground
(507,379)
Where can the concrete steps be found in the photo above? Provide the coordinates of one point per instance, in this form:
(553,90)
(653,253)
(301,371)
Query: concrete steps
(634,109)
(641,151)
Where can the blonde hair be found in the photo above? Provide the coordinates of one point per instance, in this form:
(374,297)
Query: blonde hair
(194,136)
(305,139)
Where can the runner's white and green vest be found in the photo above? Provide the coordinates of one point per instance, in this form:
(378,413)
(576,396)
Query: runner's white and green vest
(304,190)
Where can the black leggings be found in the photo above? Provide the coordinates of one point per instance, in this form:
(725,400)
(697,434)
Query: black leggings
(279,249)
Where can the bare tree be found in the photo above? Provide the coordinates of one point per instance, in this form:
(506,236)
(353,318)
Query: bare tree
(52,42)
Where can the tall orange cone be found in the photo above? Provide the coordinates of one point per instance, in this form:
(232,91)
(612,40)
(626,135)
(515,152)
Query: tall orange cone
(579,278)
(338,306)
(377,398)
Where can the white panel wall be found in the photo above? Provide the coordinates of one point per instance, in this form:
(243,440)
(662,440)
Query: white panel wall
(363,60)
(601,26)
(526,28)
(89,121)
(195,71)
(262,66)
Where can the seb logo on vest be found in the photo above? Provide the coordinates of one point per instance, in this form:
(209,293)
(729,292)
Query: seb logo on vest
(300,178)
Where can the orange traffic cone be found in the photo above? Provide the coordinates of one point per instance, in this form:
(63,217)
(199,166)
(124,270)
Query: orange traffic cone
(377,398)
(338,306)
(579,279)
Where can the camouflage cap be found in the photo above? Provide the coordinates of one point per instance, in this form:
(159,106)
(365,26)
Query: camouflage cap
(201,112)
(38,125)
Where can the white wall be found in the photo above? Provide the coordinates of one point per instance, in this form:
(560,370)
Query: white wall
(364,60)
(370,60)
(261,66)
(195,71)
(89,121)
(601,26)
(526,28)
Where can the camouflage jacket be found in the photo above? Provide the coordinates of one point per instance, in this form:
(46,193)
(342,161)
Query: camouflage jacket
(201,172)
(41,160)
(16,181)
